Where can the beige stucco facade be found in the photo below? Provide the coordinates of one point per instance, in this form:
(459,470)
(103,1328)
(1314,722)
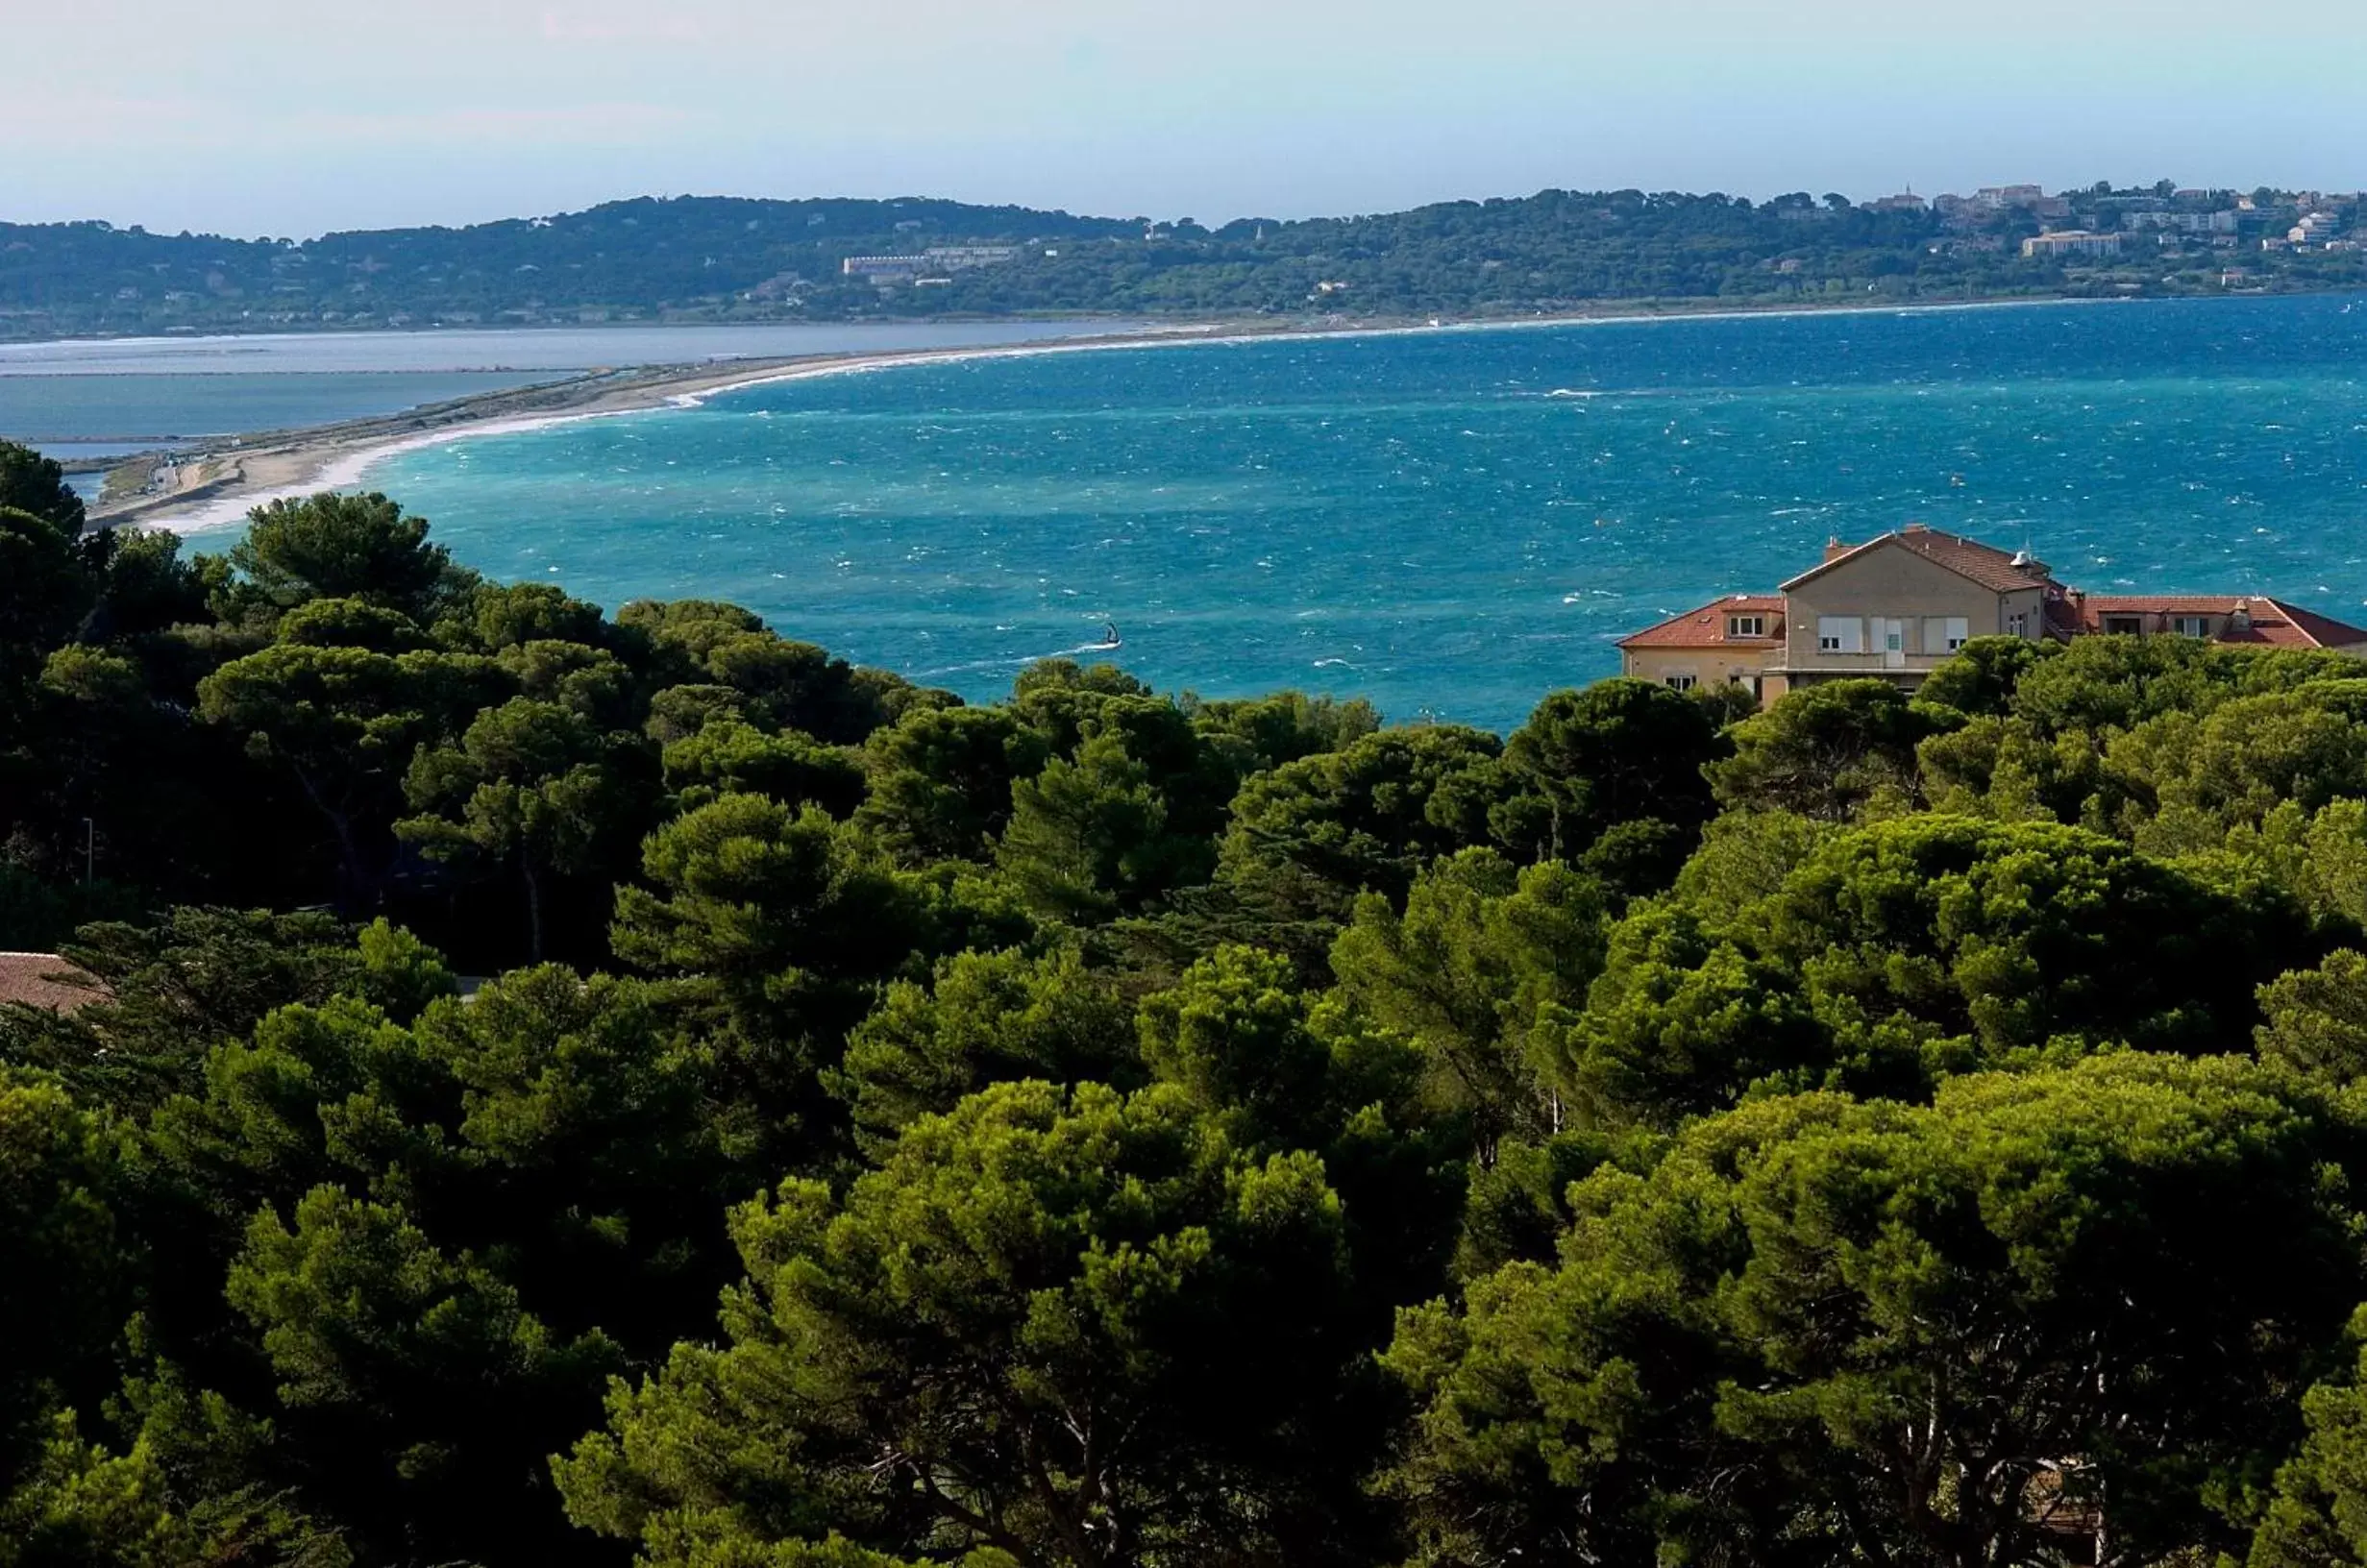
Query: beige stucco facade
(1895,612)
(1745,664)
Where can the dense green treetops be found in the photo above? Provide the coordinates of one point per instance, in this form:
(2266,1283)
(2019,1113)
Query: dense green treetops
(571,1087)
(30,482)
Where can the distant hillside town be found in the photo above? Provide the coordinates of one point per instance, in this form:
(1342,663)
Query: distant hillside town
(2167,221)
(731,260)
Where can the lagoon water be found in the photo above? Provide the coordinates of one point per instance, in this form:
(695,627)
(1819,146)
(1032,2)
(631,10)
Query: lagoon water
(1450,523)
(106,396)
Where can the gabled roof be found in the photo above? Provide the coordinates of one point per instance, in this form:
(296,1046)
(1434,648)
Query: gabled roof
(1706,627)
(2275,623)
(1989,567)
(46,980)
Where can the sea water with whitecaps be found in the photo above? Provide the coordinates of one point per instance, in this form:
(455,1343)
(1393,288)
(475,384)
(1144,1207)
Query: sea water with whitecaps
(1449,522)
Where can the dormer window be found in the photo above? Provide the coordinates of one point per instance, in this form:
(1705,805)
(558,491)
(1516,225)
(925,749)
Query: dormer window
(2191,626)
(1746,626)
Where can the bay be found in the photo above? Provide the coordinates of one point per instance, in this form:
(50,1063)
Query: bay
(80,415)
(112,397)
(1450,523)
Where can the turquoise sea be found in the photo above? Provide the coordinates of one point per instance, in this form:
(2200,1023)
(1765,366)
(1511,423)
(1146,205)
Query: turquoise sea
(1450,523)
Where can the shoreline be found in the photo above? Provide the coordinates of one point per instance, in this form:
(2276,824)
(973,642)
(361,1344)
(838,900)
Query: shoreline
(219,484)
(216,488)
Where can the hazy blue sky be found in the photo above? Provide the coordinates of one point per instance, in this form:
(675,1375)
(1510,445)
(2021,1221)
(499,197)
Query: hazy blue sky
(291,116)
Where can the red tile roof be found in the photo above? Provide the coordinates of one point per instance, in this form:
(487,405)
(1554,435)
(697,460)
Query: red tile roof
(1706,627)
(46,980)
(1989,567)
(2275,623)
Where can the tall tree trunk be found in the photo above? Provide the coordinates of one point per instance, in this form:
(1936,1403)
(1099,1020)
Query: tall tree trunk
(534,907)
(359,894)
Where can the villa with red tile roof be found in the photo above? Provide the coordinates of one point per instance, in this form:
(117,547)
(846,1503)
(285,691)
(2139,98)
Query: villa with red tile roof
(1901,604)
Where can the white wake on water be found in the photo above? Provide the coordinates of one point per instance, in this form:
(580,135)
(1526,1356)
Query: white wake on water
(1019,661)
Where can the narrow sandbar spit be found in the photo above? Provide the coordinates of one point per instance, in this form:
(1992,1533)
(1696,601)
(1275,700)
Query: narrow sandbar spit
(216,485)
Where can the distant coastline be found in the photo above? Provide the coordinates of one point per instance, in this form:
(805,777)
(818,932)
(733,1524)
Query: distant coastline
(838,260)
(217,483)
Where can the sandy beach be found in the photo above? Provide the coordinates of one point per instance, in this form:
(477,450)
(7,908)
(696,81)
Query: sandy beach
(217,486)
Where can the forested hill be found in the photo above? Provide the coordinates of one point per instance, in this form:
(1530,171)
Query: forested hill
(721,259)
(1101,1129)
(643,257)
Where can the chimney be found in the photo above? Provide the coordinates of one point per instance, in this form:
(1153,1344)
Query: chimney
(1834,550)
(2241,619)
